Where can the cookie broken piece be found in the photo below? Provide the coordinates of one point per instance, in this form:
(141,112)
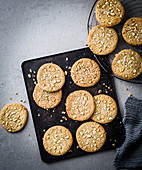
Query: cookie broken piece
(13,117)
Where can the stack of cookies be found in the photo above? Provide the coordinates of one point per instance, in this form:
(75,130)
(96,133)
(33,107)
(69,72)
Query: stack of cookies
(102,39)
(48,93)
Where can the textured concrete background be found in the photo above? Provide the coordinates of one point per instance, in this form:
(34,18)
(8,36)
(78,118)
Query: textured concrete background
(33,28)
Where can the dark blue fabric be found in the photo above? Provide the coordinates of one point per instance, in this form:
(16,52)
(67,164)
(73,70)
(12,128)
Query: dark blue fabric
(129,155)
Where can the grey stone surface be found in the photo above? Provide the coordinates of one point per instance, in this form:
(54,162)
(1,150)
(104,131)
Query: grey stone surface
(33,28)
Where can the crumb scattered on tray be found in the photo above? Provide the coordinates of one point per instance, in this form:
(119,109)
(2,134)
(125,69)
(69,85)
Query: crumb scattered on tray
(24,101)
(21,100)
(113,144)
(38,115)
(69,67)
(86,44)
(29,75)
(126,88)
(130,94)
(106,91)
(16,93)
(67,59)
(43,130)
(30,70)
(66,72)
(99,91)
(10,98)
(61,120)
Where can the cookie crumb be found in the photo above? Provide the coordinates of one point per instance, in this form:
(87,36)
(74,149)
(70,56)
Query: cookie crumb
(34,72)
(63,112)
(38,115)
(10,98)
(126,88)
(113,144)
(34,82)
(69,67)
(24,101)
(66,66)
(115,140)
(21,100)
(64,117)
(120,122)
(106,91)
(30,70)
(29,135)
(77,147)
(29,75)
(130,94)
(108,87)
(53,111)
(51,116)
(61,120)
(70,150)
(86,44)
(67,59)
(99,91)
(66,73)
(103,84)
(16,93)
(43,130)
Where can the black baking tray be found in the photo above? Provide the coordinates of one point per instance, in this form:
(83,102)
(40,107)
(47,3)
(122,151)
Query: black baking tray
(44,119)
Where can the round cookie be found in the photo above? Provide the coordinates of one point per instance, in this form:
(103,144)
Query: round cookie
(57,140)
(90,136)
(80,105)
(109,12)
(50,77)
(102,40)
(85,72)
(127,64)
(46,99)
(13,117)
(132,31)
(105,110)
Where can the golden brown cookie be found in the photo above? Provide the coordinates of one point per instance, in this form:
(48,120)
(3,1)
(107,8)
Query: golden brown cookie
(85,72)
(127,64)
(80,105)
(57,140)
(132,31)
(102,40)
(105,109)
(109,12)
(90,136)
(46,100)
(13,117)
(50,77)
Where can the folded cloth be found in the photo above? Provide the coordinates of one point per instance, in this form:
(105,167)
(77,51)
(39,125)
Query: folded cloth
(129,155)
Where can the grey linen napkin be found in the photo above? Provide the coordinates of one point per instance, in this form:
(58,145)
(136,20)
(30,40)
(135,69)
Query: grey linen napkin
(129,155)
